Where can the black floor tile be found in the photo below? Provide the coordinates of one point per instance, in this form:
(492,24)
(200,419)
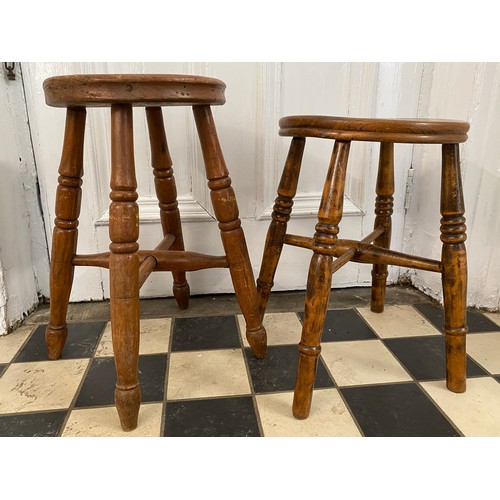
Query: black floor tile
(344,324)
(476,320)
(396,410)
(194,334)
(278,370)
(425,357)
(225,417)
(98,388)
(81,342)
(43,424)
(2,369)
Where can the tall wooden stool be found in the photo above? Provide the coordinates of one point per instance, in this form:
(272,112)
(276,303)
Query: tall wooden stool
(374,249)
(128,266)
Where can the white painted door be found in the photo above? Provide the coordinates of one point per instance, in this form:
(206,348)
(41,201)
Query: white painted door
(23,252)
(257,95)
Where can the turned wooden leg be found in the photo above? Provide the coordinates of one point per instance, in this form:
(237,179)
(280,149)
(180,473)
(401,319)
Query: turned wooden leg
(280,217)
(320,278)
(166,193)
(124,266)
(65,235)
(318,292)
(233,239)
(383,211)
(454,276)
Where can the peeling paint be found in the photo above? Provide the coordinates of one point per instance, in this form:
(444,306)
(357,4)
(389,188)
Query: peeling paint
(23,253)
(3,303)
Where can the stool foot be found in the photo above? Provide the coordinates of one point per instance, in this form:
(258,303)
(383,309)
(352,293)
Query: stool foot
(55,338)
(306,375)
(257,338)
(181,294)
(379,283)
(128,402)
(456,361)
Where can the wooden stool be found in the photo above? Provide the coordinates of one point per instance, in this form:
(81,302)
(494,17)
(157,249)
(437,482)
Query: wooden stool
(374,249)
(128,266)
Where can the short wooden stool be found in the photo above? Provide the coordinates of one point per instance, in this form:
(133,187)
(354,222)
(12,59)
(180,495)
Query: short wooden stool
(374,249)
(128,266)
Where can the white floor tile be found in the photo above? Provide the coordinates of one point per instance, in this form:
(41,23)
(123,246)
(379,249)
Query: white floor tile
(495,317)
(10,344)
(281,328)
(485,349)
(44,385)
(362,362)
(206,374)
(155,336)
(398,321)
(329,416)
(103,422)
(476,411)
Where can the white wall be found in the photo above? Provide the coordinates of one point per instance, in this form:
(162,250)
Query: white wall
(23,250)
(464,91)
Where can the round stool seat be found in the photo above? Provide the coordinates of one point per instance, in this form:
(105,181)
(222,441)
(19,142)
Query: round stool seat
(426,131)
(137,90)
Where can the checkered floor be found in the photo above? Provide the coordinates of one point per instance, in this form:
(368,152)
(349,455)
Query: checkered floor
(379,375)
